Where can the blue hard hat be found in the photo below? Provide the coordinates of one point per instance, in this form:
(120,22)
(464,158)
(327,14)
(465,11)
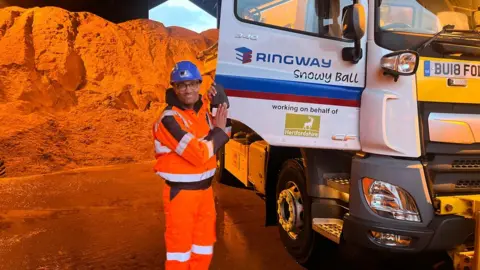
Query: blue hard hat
(185,71)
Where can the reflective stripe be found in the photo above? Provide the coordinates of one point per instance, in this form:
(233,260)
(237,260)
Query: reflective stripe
(168,113)
(173,113)
(155,127)
(210,148)
(160,149)
(203,250)
(182,145)
(187,177)
(178,256)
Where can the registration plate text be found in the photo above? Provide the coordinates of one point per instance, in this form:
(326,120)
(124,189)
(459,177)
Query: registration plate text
(451,70)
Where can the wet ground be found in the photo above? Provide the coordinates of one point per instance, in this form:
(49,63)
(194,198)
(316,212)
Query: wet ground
(112,218)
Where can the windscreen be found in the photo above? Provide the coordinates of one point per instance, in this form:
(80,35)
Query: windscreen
(320,18)
(428,16)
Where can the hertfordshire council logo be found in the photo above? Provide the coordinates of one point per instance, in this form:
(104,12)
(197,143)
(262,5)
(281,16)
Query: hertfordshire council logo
(302,125)
(244,54)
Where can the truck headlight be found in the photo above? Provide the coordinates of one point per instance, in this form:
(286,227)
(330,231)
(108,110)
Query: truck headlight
(400,63)
(390,201)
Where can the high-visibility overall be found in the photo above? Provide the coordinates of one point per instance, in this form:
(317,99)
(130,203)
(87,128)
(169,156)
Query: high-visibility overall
(185,147)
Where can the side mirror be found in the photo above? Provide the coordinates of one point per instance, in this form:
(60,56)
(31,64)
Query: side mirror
(354,26)
(354,22)
(400,63)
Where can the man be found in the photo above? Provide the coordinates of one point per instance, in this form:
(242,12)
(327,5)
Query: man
(186,140)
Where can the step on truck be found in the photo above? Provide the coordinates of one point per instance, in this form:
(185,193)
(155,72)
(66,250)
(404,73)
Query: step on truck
(358,121)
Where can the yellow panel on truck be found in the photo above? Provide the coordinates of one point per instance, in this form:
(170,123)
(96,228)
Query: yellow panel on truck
(461,87)
(257,162)
(236,159)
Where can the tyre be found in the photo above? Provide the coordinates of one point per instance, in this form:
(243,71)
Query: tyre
(295,221)
(3,170)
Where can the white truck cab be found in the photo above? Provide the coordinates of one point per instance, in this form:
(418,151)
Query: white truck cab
(353,117)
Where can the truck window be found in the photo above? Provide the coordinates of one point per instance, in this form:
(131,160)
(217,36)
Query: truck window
(425,16)
(296,15)
(403,24)
(408,17)
(396,14)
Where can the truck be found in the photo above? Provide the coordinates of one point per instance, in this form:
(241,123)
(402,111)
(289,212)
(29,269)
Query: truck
(357,121)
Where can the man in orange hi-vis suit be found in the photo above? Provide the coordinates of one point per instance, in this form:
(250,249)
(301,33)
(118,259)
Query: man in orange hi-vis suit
(186,140)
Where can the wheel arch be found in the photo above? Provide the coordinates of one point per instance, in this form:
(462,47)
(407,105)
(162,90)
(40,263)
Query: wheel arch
(320,161)
(316,162)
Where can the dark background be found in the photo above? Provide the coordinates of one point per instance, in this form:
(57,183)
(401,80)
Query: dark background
(113,10)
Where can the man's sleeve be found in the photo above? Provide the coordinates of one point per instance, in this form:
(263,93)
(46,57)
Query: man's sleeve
(228,128)
(170,131)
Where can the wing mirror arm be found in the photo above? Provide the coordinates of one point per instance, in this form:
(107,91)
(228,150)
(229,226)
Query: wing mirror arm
(354,54)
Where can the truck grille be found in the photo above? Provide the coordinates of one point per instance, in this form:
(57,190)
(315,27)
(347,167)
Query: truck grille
(445,164)
(452,168)
(466,163)
(451,174)
(468,184)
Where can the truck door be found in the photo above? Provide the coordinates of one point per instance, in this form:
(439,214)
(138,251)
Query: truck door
(281,64)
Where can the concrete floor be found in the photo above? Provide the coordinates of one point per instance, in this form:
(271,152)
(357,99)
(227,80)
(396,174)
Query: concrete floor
(112,218)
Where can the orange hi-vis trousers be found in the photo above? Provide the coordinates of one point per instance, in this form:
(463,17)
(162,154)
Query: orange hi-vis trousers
(190,228)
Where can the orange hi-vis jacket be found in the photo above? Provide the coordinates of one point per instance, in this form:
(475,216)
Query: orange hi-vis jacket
(186,142)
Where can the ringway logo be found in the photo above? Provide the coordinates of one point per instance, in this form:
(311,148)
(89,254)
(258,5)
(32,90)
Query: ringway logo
(302,125)
(244,54)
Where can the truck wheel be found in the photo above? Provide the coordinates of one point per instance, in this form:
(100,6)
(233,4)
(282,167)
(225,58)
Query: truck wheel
(295,220)
(3,170)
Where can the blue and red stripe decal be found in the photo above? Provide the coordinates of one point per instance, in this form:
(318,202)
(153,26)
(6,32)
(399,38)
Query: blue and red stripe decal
(268,89)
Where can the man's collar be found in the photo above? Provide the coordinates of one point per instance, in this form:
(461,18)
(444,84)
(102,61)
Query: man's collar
(172,99)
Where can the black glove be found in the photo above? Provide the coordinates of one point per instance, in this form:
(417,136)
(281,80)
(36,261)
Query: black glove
(220,97)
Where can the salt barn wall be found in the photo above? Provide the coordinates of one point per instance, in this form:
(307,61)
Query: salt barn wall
(78,90)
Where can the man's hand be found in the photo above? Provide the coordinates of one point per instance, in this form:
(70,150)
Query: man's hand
(221,116)
(211,92)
